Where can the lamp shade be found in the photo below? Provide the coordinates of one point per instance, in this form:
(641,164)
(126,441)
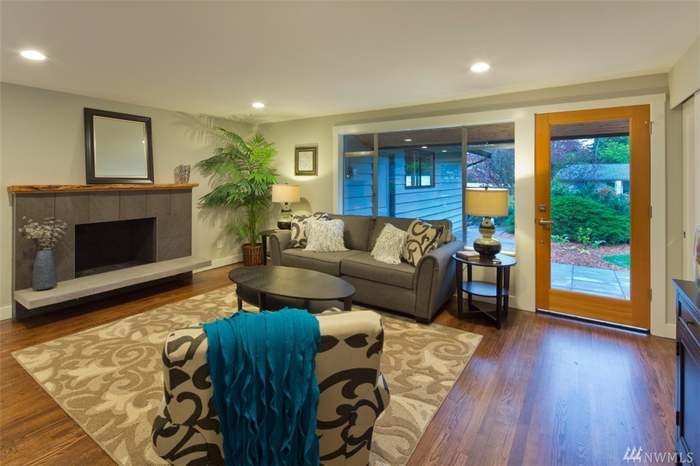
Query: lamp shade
(285,193)
(486,202)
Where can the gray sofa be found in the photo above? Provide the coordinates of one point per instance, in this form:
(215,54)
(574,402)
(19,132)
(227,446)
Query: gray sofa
(419,291)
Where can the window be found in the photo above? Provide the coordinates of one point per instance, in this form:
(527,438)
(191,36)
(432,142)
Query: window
(490,162)
(420,169)
(421,174)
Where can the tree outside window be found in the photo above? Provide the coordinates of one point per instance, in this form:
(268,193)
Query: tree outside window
(493,165)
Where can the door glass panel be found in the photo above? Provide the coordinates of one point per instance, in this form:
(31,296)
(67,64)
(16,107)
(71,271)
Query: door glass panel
(590,208)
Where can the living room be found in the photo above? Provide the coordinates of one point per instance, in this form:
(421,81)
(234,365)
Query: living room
(487,255)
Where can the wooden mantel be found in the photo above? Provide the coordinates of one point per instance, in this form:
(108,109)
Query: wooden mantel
(79,188)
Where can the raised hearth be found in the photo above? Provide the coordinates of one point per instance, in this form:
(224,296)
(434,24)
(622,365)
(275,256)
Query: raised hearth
(71,290)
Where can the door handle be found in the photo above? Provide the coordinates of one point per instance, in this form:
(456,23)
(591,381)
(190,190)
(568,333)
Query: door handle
(544,221)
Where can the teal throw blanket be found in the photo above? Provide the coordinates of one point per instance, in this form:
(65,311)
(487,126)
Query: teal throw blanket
(265,391)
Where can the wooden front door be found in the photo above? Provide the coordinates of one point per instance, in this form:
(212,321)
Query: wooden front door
(593,207)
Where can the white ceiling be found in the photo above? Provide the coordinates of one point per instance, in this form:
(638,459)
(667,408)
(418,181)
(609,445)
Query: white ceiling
(307,59)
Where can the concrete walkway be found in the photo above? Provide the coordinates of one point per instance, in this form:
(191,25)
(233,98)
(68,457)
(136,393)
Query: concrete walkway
(592,280)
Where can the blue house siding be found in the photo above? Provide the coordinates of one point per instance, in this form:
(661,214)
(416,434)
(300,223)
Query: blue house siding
(441,201)
(357,190)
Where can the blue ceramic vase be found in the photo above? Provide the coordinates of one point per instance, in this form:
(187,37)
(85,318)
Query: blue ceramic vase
(44,272)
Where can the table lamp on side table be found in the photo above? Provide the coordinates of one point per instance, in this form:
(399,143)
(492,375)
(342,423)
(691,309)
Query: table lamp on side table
(487,203)
(285,194)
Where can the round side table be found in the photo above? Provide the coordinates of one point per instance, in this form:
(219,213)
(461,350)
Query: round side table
(498,290)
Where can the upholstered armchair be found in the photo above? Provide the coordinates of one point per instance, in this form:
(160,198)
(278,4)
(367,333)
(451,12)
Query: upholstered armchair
(353,393)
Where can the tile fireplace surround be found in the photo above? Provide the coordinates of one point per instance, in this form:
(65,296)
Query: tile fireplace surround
(156,218)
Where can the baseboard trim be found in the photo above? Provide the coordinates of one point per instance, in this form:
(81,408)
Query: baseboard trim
(221,262)
(665,330)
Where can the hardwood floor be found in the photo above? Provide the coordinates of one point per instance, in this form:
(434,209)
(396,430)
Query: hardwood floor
(542,390)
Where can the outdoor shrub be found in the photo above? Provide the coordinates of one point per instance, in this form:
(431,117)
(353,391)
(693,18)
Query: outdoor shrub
(584,235)
(559,239)
(588,221)
(507,223)
(619,202)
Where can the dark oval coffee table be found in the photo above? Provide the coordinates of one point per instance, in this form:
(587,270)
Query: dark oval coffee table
(290,282)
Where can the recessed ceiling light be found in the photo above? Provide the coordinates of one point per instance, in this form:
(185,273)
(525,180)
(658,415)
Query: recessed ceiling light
(444,150)
(423,147)
(408,140)
(480,67)
(33,55)
(258,105)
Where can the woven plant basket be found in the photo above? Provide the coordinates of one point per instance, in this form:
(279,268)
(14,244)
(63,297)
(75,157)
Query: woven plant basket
(252,254)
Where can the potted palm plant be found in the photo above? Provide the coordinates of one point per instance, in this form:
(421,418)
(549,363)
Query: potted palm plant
(242,176)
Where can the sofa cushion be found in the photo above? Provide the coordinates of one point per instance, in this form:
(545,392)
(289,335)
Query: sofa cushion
(403,223)
(357,230)
(363,265)
(326,262)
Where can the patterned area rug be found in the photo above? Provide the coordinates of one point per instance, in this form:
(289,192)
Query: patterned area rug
(109,378)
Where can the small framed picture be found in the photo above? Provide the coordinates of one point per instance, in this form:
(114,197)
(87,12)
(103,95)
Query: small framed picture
(306,160)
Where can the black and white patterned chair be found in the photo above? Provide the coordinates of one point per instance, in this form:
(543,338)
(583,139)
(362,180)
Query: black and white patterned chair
(353,393)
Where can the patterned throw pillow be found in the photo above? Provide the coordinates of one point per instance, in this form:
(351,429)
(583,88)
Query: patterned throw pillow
(421,238)
(298,239)
(325,236)
(389,245)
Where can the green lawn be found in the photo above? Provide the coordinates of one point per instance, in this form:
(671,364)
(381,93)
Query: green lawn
(621,260)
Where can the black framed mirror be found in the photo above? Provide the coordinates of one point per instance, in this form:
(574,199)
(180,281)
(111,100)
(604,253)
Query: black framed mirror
(118,147)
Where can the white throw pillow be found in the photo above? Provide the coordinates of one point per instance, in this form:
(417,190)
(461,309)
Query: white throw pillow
(298,230)
(389,245)
(325,236)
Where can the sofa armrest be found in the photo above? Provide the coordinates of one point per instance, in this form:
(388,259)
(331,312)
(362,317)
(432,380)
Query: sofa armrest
(187,419)
(434,282)
(353,390)
(279,241)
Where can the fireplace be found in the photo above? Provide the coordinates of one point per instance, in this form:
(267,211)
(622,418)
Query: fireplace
(106,246)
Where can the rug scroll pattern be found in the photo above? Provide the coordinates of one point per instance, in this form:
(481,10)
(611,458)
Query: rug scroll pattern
(109,378)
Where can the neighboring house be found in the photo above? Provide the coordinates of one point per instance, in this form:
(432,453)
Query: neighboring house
(439,198)
(612,175)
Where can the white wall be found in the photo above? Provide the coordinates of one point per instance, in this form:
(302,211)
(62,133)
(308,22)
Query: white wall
(691,189)
(684,77)
(322,191)
(693,141)
(43,143)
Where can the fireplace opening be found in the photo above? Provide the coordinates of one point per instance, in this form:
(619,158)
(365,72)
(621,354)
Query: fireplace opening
(106,246)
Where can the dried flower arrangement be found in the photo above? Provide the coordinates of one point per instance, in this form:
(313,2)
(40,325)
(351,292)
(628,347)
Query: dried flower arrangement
(45,234)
